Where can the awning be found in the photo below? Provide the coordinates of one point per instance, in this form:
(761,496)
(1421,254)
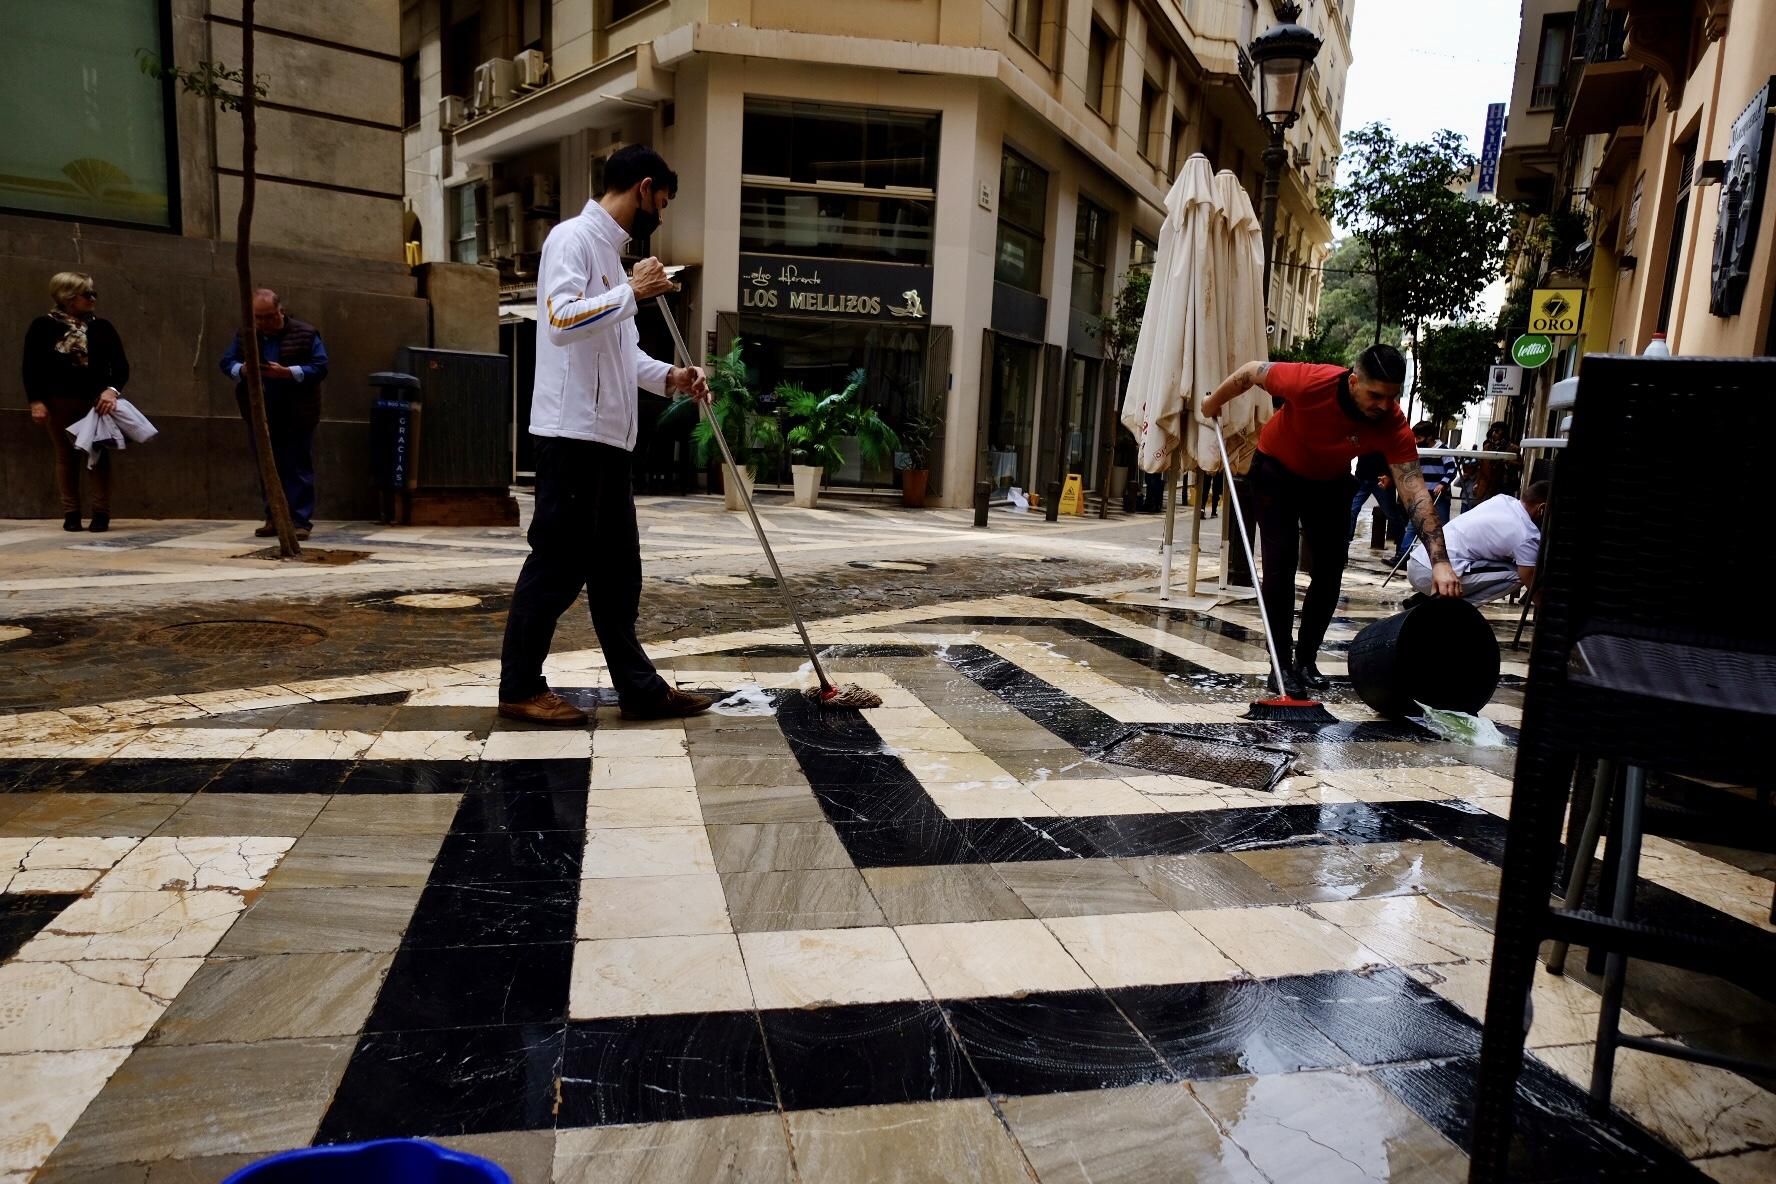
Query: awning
(600,98)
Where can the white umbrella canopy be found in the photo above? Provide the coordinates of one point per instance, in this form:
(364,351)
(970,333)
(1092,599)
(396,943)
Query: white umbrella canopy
(1236,336)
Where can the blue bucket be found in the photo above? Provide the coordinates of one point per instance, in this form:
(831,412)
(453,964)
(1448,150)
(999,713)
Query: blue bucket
(384,1161)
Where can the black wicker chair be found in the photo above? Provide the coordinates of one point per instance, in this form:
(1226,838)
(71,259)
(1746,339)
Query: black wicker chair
(1655,648)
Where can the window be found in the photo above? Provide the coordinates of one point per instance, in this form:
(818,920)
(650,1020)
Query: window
(410,90)
(1100,75)
(622,10)
(465,224)
(534,20)
(1091,252)
(836,225)
(1142,251)
(1556,46)
(1152,111)
(1680,214)
(1026,23)
(1023,209)
(1211,144)
(1178,156)
(461,43)
(1248,23)
(824,143)
(98,141)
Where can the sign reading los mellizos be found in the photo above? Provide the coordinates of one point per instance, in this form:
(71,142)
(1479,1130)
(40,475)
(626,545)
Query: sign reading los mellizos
(787,286)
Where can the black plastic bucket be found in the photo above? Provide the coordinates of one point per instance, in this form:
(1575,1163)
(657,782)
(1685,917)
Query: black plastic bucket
(1440,652)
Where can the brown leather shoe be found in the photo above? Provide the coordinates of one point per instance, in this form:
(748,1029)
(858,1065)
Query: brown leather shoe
(264,530)
(302,533)
(545,708)
(675,705)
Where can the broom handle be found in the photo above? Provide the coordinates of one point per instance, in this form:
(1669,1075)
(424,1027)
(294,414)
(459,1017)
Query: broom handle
(684,358)
(1239,515)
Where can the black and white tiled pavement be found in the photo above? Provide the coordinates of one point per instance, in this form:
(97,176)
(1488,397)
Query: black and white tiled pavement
(955,937)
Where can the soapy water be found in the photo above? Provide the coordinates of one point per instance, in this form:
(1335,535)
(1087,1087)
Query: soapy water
(750,699)
(1461,727)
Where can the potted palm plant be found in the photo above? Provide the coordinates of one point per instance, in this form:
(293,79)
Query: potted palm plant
(752,434)
(917,431)
(819,422)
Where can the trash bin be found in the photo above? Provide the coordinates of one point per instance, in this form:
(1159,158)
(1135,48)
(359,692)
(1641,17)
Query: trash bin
(385,1161)
(1440,652)
(394,430)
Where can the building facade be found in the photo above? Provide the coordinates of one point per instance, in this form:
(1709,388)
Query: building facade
(946,194)
(1640,140)
(110,171)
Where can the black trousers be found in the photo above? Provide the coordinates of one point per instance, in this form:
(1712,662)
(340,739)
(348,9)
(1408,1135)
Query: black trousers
(1292,509)
(583,535)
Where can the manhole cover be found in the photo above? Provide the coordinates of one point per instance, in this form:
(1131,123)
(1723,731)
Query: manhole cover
(12,633)
(212,637)
(438,600)
(1203,759)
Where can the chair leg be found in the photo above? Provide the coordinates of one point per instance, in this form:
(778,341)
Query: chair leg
(1615,974)
(1595,958)
(1522,620)
(1584,853)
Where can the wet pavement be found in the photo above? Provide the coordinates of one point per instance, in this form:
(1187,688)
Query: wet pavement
(1045,914)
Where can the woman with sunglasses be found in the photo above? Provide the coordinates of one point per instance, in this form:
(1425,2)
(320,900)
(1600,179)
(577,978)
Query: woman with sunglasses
(74,363)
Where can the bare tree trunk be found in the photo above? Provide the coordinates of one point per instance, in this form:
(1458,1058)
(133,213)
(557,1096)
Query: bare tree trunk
(288,547)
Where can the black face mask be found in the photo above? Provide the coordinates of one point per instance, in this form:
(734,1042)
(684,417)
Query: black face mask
(644,225)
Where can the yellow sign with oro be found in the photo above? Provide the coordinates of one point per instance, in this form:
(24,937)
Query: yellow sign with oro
(1557,312)
(1073,496)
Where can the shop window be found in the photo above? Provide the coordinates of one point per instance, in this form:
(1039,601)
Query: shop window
(1082,407)
(1009,425)
(1091,254)
(1023,210)
(99,142)
(1556,46)
(836,225)
(825,143)
(465,224)
(1100,71)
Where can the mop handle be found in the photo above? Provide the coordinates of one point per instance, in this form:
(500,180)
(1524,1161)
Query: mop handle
(684,357)
(1239,515)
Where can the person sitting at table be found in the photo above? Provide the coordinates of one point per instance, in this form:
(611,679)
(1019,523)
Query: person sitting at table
(1493,547)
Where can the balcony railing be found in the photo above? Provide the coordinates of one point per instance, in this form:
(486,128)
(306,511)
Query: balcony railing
(1602,33)
(1245,66)
(1544,97)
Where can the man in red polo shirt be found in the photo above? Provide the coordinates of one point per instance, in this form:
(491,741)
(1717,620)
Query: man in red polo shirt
(1302,485)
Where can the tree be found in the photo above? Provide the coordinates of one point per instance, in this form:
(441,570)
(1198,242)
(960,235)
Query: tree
(239,90)
(1345,322)
(1453,362)
(1431,250)
(1118,333)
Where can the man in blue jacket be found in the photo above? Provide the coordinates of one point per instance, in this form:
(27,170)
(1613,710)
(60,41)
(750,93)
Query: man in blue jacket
(293,361)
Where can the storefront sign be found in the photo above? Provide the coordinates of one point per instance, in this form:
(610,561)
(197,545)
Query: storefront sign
(1532,351)
(1741,205)
(1555,312)
(1506,382)
(1489,152)
(829,288)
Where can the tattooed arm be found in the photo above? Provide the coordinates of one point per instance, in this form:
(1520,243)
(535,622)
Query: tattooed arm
(1238,383)
(1409,480)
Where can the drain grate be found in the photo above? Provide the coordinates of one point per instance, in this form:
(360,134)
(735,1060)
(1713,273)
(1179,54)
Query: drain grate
(217,637)
(1206,760)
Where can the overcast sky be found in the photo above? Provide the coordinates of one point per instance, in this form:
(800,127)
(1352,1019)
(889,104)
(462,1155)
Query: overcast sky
(1422,65)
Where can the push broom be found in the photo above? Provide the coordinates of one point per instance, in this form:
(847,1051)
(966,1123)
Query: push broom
(828,693)
(1283,707)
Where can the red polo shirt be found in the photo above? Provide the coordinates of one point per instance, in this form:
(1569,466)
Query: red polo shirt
(1313,436)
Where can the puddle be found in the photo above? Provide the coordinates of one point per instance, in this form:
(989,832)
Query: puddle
(750,699)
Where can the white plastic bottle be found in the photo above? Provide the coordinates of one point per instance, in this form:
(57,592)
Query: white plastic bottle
(1656,348)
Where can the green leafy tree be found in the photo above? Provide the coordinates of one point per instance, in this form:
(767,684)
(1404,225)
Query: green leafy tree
(1344,324)
(1118,333)
(1431,250)
(1453,361)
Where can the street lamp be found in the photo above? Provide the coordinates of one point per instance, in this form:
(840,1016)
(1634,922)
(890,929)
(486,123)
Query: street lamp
(1283,54)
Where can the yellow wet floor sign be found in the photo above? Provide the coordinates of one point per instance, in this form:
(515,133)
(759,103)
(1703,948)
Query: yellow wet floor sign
(1073,496)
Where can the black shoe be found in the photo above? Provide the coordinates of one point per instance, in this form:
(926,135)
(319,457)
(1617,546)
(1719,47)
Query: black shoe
(71,520)
(100,523)
(1310,676)
(1291,687)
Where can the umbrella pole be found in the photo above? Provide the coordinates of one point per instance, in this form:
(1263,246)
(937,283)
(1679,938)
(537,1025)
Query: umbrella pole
(1196,532)
(1165,562)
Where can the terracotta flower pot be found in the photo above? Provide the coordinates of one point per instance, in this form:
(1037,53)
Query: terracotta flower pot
(912,487)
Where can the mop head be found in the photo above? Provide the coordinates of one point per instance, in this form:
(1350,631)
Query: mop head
(1286,710)
(845,695)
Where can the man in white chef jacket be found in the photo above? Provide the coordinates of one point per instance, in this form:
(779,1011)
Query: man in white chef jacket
(589,363)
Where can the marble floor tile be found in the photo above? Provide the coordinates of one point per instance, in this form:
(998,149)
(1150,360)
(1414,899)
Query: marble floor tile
(69,814)
(309,744)
(350,861)
(462,695)
(952,768)
(1329,1127)
(876,1054)
(965,959)
(749,1148)
(652,906)
(827,898)
(208,1099)
(934,895)
(775,847)
(1329,872)
(929,1143)
(167,743)
(1216,880)
(643,772)
(393,745)
(320,921)
(646,851)
(1144,1134)
(1564,1010)
(525,1155)
(277,997)
(1698,1109)
(1077,887)
(1408,930)
(1132,949)
(827,967)
(1094,796)
(385,815)
(1272,940)
(68,1006)
(519,745)
(631,976)
(58,865)
(619,741)
(743,804)
(1751,1167)
(169,864)
(1000,798)
(135,926)
(244,814)
(609,809)
(44,1096)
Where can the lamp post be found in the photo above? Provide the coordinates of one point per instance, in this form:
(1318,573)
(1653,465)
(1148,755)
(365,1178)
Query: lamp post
(1283,54)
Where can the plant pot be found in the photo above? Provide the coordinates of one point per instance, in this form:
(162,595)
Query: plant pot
(807,484)
(731,487)
(912,487)
(1119,480)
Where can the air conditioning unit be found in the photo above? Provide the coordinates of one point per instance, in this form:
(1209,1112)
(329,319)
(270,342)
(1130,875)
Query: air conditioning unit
(450,112)
(1303,155)
(507,236)
(495,82)
(1324,175)
(533,69)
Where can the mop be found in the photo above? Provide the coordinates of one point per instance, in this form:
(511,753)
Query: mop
(828,693)
(1282,708)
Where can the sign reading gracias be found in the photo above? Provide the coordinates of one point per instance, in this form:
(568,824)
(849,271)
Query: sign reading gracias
(784,285)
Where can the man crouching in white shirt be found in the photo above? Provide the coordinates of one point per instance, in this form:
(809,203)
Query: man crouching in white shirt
(589,363)
(1492,547)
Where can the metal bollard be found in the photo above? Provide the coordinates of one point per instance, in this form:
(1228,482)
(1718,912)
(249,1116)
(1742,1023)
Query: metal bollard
(1051,508)
(982,491)
(1378,525)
